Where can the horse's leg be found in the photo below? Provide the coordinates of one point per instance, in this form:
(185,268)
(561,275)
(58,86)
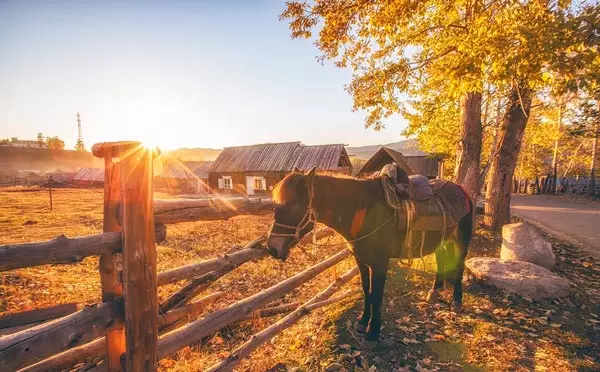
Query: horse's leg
(438,283)
(461,248)
(378,276)
(360,325)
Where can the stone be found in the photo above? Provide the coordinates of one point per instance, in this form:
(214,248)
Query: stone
(334,367)
(524,242)
(518,277)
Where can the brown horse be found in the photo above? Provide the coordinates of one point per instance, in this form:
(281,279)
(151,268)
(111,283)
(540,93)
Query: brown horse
(357,210)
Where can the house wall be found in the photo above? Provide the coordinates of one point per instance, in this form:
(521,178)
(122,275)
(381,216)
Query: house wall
(238,180)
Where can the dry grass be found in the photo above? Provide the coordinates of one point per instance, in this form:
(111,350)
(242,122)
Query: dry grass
(496,332)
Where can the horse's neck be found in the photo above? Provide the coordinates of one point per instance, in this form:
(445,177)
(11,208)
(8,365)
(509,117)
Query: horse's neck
(335,205)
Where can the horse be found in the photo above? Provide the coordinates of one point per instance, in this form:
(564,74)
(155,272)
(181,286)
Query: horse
(357,210)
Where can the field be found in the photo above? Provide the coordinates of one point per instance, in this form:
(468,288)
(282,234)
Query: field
(495,332)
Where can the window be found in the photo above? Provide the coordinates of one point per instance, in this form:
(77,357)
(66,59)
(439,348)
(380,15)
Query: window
(260,183)
(225,183)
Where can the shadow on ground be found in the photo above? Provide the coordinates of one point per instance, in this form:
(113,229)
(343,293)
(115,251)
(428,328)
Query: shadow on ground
(495,332)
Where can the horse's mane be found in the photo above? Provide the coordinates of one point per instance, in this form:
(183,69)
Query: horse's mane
(337,192)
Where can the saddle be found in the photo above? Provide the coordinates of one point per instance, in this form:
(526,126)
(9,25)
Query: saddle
(423,205)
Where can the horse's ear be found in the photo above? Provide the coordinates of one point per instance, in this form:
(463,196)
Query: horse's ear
(296,170)
(311,173)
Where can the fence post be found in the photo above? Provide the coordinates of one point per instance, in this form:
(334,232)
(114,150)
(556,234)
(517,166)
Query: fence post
(112,286)
(139,260)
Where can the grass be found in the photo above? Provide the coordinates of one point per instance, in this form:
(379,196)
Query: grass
(496,332)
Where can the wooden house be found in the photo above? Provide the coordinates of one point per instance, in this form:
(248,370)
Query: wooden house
(429,166)
(255,169)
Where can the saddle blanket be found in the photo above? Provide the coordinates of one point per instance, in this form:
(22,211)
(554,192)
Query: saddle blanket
(443,209)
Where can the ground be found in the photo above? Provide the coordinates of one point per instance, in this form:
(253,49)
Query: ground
(495,332)
(574,219)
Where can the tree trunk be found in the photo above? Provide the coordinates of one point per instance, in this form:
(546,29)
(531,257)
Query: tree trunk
(488,163)
(497,208)
(469,146)
(592,188)
(553,187)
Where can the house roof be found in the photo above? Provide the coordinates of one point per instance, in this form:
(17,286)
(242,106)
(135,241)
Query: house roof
(90,174)
(384,156)
(199,168)
(280,157)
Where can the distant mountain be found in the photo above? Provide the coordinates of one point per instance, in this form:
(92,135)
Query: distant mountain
(195,154)
(408,147)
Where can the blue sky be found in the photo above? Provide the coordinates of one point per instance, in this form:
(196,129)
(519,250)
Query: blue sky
(179,74)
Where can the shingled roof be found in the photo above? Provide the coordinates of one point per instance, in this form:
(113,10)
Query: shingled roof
(280,157)
(382,157)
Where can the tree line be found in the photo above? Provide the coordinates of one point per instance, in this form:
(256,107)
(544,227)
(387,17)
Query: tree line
(493,85)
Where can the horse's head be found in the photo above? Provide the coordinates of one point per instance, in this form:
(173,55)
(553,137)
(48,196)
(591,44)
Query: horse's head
(294,213)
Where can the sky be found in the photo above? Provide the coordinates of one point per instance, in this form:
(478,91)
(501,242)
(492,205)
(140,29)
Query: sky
(174,74)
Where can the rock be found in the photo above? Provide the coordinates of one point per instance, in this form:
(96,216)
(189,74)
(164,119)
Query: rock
(334,367)
(518,277)
(523,242)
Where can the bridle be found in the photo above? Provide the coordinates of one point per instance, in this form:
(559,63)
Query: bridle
(309,217)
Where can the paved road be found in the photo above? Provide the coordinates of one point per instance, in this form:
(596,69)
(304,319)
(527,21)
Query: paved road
(578,220)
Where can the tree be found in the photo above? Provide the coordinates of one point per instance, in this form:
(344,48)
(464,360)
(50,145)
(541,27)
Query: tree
(430,60)
(588,126)
(79,146)
(400,50)
(55,143)
(40,139)
(499,187)
(554,41)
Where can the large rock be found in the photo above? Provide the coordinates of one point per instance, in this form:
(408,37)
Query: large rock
(523,242)
(523,278)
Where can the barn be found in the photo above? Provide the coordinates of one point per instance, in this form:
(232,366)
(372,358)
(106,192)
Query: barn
(255,169)
(8,176)
(61,175)
(89,177)
(419,163)
(28,177)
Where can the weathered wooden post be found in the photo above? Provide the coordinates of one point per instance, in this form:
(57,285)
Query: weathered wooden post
(110,278)
(50,190)
(139,260)
(128,208)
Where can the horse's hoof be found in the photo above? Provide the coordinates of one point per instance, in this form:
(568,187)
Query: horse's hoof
(359,327)
(433,296)
(368,344)
(457,308)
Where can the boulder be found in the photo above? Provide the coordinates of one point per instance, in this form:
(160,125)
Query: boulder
(523,242)
(518,277)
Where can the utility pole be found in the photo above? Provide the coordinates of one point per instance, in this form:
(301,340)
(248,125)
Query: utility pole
(80,145)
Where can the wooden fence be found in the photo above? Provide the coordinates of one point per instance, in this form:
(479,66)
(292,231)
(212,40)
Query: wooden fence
(130,330)
(545,185)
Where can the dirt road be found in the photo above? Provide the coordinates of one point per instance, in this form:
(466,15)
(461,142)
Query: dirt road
(576,220)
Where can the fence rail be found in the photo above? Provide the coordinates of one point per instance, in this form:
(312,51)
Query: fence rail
(124,330)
